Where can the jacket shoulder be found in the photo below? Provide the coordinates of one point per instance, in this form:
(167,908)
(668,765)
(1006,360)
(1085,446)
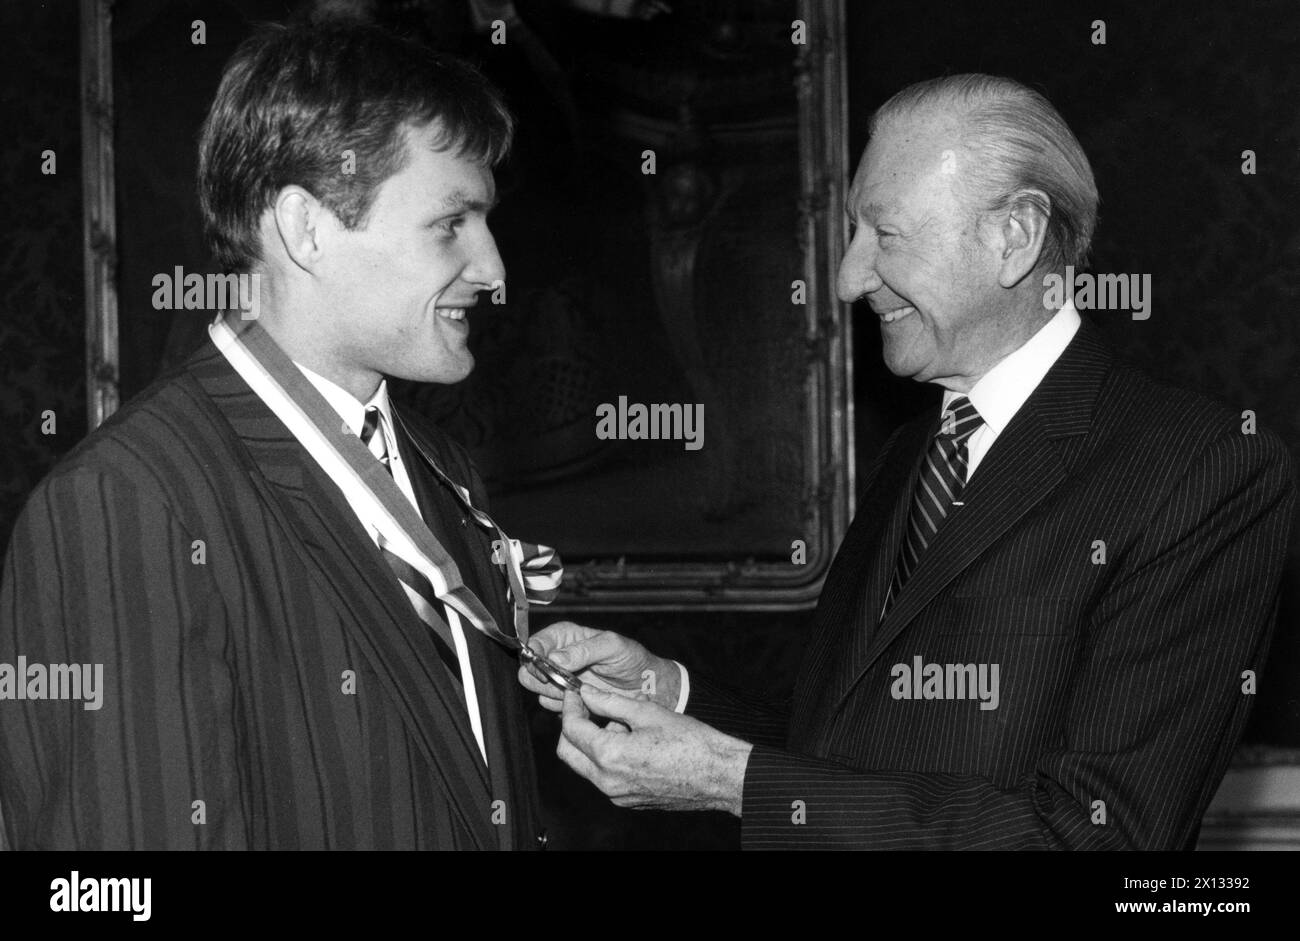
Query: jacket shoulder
(156,443)
(1151,404)
(1181,428)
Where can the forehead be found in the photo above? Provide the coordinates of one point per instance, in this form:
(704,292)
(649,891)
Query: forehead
(433,174)
(908,158)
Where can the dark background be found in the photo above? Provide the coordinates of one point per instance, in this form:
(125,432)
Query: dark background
(1163,110)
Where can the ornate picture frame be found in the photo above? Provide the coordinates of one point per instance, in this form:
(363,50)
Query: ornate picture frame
(99,218)
(808,505)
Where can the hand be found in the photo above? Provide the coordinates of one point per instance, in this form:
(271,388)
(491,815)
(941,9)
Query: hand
(601,659)
(650,757)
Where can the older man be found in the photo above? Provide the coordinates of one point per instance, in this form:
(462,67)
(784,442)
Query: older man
(292,585)
(1042,627)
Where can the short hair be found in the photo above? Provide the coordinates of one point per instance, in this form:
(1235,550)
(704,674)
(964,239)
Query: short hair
(1018,141)
(293,99)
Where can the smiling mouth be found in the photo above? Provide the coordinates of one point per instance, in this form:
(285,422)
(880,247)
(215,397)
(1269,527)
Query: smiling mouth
(896,314)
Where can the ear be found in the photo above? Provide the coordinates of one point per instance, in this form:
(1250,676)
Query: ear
(300,222)
(1023,232)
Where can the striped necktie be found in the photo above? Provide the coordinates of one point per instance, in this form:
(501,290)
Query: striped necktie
(418,590)
(938,489)
(376,443)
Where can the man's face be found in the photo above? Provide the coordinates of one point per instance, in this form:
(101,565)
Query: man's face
(917,257)
(400,287)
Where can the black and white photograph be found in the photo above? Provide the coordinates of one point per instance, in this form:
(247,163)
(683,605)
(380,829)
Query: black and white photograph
(652,426)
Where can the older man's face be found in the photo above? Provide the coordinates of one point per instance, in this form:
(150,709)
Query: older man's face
(918,257)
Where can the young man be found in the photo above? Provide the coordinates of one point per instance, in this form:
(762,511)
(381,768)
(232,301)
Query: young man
(285,577)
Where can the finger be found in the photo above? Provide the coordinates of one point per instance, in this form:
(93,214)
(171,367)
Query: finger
(575,710)
(577,729)
(633,713)
(577,725)
(557,635)
(592,679)
(531,681)
(592,651)
(576,759)
(549,696)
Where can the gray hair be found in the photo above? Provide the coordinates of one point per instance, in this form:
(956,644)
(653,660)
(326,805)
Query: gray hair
(1019,142)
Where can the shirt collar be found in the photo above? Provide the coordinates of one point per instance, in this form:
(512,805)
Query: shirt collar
(1000,392)
(350,409)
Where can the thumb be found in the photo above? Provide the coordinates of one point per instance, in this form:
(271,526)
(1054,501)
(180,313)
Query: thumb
(633,713)
(576,656)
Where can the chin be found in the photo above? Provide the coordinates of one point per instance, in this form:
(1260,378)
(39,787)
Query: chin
(899,366)
(442,374)
(449,375)
(907,362)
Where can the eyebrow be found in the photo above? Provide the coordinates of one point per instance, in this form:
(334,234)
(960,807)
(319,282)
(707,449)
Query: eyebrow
(870,210)
(460,201)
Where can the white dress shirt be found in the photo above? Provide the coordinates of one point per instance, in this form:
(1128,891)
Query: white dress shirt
(353,413)
(1000,392)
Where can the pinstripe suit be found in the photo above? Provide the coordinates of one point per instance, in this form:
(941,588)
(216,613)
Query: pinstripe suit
(194,548)
(1121,687)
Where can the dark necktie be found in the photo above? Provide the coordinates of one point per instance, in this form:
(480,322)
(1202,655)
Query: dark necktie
(431,611)
(938,489)
(375,443)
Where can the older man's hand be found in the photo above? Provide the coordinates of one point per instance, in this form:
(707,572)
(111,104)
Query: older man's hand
(649,757)
(602,659)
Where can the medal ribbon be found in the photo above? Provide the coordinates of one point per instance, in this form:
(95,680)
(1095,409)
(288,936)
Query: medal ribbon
(533,572)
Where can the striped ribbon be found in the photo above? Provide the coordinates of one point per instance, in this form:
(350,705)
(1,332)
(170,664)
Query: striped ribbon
(534,572)
(418,589)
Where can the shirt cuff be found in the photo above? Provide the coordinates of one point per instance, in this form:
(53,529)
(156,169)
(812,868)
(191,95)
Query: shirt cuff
(684,693)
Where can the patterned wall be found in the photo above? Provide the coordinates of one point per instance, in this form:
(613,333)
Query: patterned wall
(41,295)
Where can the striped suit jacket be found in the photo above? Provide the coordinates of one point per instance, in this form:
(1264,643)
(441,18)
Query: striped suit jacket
(1118,558)
(267,683)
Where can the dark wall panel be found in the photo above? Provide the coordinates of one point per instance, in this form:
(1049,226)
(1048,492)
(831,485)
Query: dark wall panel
(42,363)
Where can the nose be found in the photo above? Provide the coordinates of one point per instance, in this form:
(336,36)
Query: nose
(485,268)
(857,274)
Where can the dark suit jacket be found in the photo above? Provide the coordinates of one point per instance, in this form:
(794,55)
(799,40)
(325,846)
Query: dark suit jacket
(194,548)
(1121,683)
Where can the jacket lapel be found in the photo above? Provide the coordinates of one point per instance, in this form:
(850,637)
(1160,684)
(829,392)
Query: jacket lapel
(346,566)
(443,512)
(1025,464)
(865,562)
